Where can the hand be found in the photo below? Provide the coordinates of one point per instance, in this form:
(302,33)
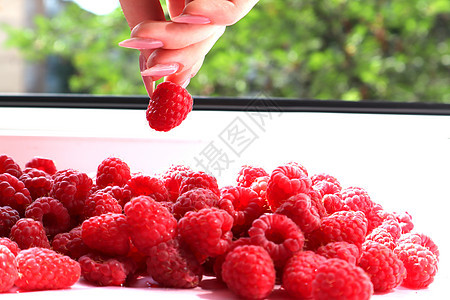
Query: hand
(176,49)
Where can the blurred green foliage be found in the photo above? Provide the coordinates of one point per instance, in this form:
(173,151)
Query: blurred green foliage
(322,49)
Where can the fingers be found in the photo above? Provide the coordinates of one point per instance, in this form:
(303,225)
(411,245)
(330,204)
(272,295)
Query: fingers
(164,62)
(136,11)
(218,12)
(175,7)
(183,78)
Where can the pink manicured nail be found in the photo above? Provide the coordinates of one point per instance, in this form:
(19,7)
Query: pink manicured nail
(160,70)
(191,19)
(141,43)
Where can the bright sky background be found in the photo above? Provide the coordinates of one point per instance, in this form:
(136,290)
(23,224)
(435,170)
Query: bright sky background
(99,7)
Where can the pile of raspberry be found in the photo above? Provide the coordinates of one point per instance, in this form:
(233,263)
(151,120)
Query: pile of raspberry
(284,229)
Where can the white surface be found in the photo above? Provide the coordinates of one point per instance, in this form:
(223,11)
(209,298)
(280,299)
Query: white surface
(402,160)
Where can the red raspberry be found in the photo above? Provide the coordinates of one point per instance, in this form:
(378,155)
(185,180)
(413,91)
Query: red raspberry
(333,203)
(244,205)
(326,184)
(199,180)
(248,174)
(105,271)
(100,203)
(249,272)
(29,233)
(405,220)
(8,165)
(44,164)
(318,178)
(279,235)
(143,185)
(11,245)
(70,243)
(376,217)
(169,106)
(338,279)
(259,185)
(218,260)
(13,193)
(8,269)
(393,227)
(343,250)
(420,263)
(51,213)
(171,264)
(420,239)
(194,200)
(149,222)
(121,194)
(384,268)
(44,269)
(38,183)
(299,273)
(382,236)
(316,201)
(286,181)
(172,179)
(8,217)
(357,199)
(211,228)
(300,210)
(347,226)
(112,171)
(298,165)
(107,233)
(71,188)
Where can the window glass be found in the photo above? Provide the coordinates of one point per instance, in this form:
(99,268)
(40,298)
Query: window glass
(329,49)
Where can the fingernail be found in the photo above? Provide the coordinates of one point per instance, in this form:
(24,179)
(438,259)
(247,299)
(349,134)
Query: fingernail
(186,83)
(141,43)
(191,19)
(160,70)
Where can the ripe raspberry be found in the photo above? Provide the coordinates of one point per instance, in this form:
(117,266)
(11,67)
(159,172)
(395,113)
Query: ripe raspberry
(317,178)
(346,226)
(393,227)
(8,217)
(51,213)
(172,179)
(107,233)
(44,164)
(376,217)
(298,165)
(248,174)
(405,220)
(300,210)
(100,203)
(244,205)
(194,200)
(279,235)
(333,203)
(343,250)
(420,263)
(299,273)
(70,243)
(8,165)
(71,188)
(326,184)
(211,228)
(105,271)
(112,171)
(171,264)
(29,233)
(169,106)
(338,279)
(219,260)
(382,236)
(8,269)
(420,239)
(286,181)
(121,194)
(44,269)
(13,193)
(259,185)
(357,199)
(199,180)
(316,201)
(11,245)
(149,223)
(38,183)
(143,185)
(249,272)
(384,268)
